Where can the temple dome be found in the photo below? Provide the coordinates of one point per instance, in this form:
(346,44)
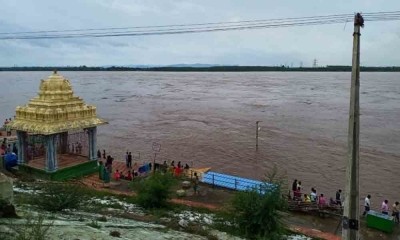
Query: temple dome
(55,87)
(55,110)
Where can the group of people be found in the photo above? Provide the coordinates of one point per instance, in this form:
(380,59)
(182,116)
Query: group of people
(176,170)
(105,170)
(395,208)
(7,148)
(313,197)
(6,127)
(76,148)
(121,175)
(321,200)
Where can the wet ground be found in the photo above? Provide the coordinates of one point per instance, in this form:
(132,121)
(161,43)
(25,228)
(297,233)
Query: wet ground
(208,120)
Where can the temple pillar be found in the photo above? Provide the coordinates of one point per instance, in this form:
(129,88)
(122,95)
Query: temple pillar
(51,153)
(64,148)
(22,139)
(92,135)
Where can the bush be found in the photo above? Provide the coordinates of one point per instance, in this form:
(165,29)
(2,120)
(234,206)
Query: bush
(102,219)
(7,210)
(154,191)
(59,196)
(33,228)
(258,216)
(115,234)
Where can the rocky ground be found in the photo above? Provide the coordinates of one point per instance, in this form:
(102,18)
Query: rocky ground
(107,216)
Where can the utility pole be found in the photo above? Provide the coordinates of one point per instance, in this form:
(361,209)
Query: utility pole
(351,213)
(257,129)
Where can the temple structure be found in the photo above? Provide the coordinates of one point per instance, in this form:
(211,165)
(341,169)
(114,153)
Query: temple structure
(56,127)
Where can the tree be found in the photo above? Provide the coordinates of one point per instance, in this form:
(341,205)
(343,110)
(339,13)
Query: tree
(259,215)
(154,191)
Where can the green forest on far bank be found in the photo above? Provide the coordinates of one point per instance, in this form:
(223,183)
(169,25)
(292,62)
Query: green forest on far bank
(206,69)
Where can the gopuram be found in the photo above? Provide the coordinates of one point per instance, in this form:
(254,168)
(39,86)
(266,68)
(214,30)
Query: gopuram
(56,132)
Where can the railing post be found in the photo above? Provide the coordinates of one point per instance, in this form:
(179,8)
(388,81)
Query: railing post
(260,189)
(213,180)
(235,184)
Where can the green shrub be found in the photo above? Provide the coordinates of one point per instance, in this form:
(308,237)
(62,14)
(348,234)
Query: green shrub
(258,216)
(59,196)
(154,191)
(115,234)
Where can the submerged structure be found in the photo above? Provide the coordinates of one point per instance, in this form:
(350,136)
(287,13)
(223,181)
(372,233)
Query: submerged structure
(56,132)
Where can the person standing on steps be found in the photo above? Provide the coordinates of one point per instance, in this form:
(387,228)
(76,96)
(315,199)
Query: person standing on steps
(294,187)
(98,155)
(367,204)
(339,197)
(395,212)
(126,159)
(196,184)
(129,160)
(299,184)
(101,170)
(385,207)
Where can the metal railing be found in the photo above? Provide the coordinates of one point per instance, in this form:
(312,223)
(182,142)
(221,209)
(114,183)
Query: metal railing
(234,182)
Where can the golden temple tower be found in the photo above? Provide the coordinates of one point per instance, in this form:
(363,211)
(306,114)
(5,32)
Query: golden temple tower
(54,115)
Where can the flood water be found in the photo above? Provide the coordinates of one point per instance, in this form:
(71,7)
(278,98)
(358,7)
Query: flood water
(209,120)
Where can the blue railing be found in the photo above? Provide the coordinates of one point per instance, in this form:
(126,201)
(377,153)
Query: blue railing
(235,183)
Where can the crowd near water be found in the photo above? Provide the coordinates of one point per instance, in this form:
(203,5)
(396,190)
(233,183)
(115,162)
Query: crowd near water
(209,120)
(299,194)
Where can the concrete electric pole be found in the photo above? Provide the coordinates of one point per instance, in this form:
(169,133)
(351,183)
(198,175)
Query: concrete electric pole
(351,207)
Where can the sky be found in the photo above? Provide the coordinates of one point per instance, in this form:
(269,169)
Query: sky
(329,44)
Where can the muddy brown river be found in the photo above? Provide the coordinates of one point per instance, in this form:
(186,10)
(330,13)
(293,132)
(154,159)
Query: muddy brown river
(209,120)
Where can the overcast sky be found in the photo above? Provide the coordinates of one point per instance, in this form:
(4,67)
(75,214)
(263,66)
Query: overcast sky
(329,44)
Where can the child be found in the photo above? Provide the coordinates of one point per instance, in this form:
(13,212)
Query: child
(117,175)
(129,176)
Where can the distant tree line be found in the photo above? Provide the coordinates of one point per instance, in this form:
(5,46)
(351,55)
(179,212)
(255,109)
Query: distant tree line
(333,68)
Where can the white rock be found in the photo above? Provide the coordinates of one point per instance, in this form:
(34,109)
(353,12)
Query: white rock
(183,223)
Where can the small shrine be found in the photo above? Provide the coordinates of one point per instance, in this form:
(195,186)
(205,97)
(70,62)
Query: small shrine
(56,132)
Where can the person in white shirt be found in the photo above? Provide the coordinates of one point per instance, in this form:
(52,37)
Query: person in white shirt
(367,204)
(313,195)
(385,207)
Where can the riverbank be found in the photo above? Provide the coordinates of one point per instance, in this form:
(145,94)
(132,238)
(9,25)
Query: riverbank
(192,68)
(215,198)
(115,204)
(109,212)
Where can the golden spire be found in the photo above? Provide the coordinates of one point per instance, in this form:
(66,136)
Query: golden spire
(55,109)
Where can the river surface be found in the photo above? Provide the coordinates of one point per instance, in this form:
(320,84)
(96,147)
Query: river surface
(209,120)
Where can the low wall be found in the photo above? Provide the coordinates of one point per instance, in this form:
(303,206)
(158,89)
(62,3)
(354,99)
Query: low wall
(64,173)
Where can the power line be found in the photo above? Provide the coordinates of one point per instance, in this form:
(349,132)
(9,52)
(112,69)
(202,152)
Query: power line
(229,27)
(199,27)
(186,25)
(171,31)
(210,23)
